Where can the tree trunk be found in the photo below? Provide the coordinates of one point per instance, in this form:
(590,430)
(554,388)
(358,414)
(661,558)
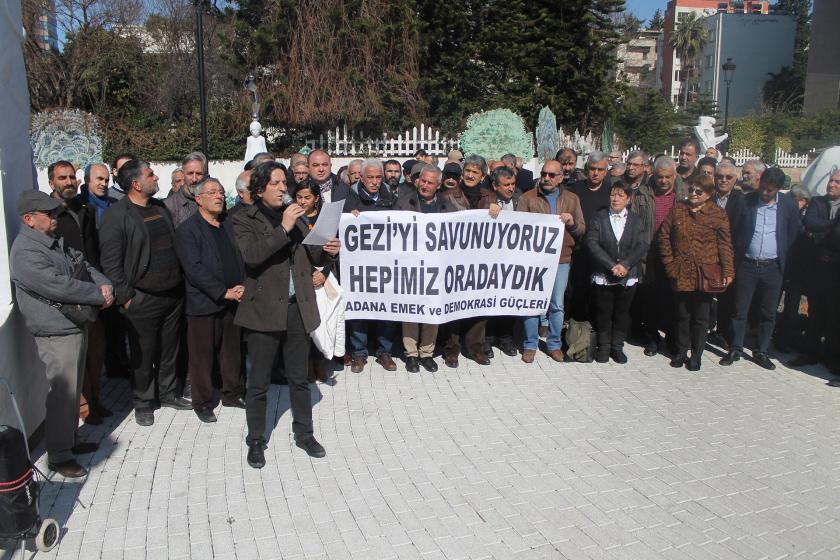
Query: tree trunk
(686,83)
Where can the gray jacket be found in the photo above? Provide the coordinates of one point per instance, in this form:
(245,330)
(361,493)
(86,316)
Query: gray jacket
(43,265)
(180,207)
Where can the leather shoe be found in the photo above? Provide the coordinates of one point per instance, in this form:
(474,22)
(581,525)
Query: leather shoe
(451,361)
(68,469)
(651,348)
(429,364)
(385,360)
(412,364)
(763,360)
(602,355)
(489,352)
(144,417)
(177,403)
(528,356)
(556,355)
(507,348)
(357,364)
(731,358)
(206,415)
(238,402)
(679,360)
(84,447)
(311,446)
(693,364)
(480,358)
(256,457)
(618,356)
(803,360)
(834,383)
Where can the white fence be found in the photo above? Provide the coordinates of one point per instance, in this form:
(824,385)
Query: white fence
(782,159)
(342,142)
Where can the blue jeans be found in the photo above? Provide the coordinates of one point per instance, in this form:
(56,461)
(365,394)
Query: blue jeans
(555,315)
(386,333)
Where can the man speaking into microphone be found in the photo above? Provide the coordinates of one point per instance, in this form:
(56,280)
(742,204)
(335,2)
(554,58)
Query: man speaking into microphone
(278,309)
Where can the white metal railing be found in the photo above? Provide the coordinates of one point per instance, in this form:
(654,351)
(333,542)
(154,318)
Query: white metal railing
(344,142)
(782,159)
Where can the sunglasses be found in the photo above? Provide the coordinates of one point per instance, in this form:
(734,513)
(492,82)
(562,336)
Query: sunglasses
(727,177)
(696,190)
(549,174)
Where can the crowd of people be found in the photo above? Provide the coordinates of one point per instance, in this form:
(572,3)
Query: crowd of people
(179,294)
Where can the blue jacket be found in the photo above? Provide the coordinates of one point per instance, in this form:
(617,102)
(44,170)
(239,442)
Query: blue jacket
(205,282)
(788,226)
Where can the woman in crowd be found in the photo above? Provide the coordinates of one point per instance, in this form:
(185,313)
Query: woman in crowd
(617,242)
(696,249)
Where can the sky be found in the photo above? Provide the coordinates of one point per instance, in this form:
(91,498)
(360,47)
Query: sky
(643,9)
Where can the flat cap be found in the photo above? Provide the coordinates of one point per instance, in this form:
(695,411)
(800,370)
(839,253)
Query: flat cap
(452,169)
(456,155)
(36,201)
(407,165)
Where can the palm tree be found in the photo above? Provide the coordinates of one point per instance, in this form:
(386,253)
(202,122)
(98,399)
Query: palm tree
(688,40)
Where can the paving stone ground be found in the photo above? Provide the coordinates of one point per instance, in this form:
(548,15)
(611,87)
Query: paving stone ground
(547,461)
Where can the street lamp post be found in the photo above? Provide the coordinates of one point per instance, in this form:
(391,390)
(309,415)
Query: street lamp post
(200,7)
(728,72)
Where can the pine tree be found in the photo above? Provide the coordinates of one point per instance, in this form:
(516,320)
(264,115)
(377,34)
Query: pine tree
(657,22)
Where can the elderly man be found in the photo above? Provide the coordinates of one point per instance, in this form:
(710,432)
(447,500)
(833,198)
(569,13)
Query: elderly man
(320,172)
(354,172)
(77,227)
(634,172)
(214,273)
(243,191)
(137,246)
(764,231)
(181,205)
(524,177)
(732,201)
(371,197)
(419,339)
(822,230)
(751,175)
(95,189)
(48,274)
(115,191)
(614,158)
(689,154)
(279,307)
(475,169)
(594,196)
(655,296)
(177,181)
(552,198)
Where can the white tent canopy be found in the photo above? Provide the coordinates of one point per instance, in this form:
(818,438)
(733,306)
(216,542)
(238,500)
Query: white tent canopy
(815,177)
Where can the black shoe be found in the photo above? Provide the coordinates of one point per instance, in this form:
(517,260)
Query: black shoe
(507,348)
(238,402)
(187,392)
(490,353)
(834,383)
(256,457)
(178,403)
(679,360)
(429,364)
(693,364)
(618,356)
(412,364)
(84,447)
(311,446)
(731,358)
(206,415)
(68,469)
(602,355)
(651,348)
(760,358)
(144,417)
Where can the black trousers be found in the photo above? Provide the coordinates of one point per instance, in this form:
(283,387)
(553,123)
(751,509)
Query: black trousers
(214,341)
(693,312)
(153,323)
(262,350)
(762,281)
(472,329)
(724,311)
(612,314)
(656,303)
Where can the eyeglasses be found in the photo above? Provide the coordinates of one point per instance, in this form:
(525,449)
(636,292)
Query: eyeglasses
(549,174)
(727,177)
(696,190)
(213,193)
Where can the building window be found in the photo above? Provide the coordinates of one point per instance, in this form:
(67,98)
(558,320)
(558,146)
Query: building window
(709,61)
(681,16)
(708,86)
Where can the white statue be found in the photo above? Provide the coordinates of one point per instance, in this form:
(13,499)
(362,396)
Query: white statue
(256,141)
(705,132)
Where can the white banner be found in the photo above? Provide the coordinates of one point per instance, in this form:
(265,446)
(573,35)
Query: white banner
(436,268)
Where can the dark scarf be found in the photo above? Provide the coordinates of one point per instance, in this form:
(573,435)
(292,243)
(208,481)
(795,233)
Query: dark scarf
(275,217)
(473,194)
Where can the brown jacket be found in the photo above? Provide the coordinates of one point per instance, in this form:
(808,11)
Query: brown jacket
(489,196)
(268,253)
(455,198)
(687,238)
(568,202)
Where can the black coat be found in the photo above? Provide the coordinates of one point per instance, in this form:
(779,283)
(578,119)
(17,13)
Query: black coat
(524,180)
(124,245)
(734,205)
(606,251)
(268,253)
(81,235)
(340,190)
(788,226)
(362,201)
(205,280)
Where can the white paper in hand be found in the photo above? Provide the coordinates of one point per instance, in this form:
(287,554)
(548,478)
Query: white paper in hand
(326,227)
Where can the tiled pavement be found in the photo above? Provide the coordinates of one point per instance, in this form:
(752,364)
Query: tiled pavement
(547,461)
